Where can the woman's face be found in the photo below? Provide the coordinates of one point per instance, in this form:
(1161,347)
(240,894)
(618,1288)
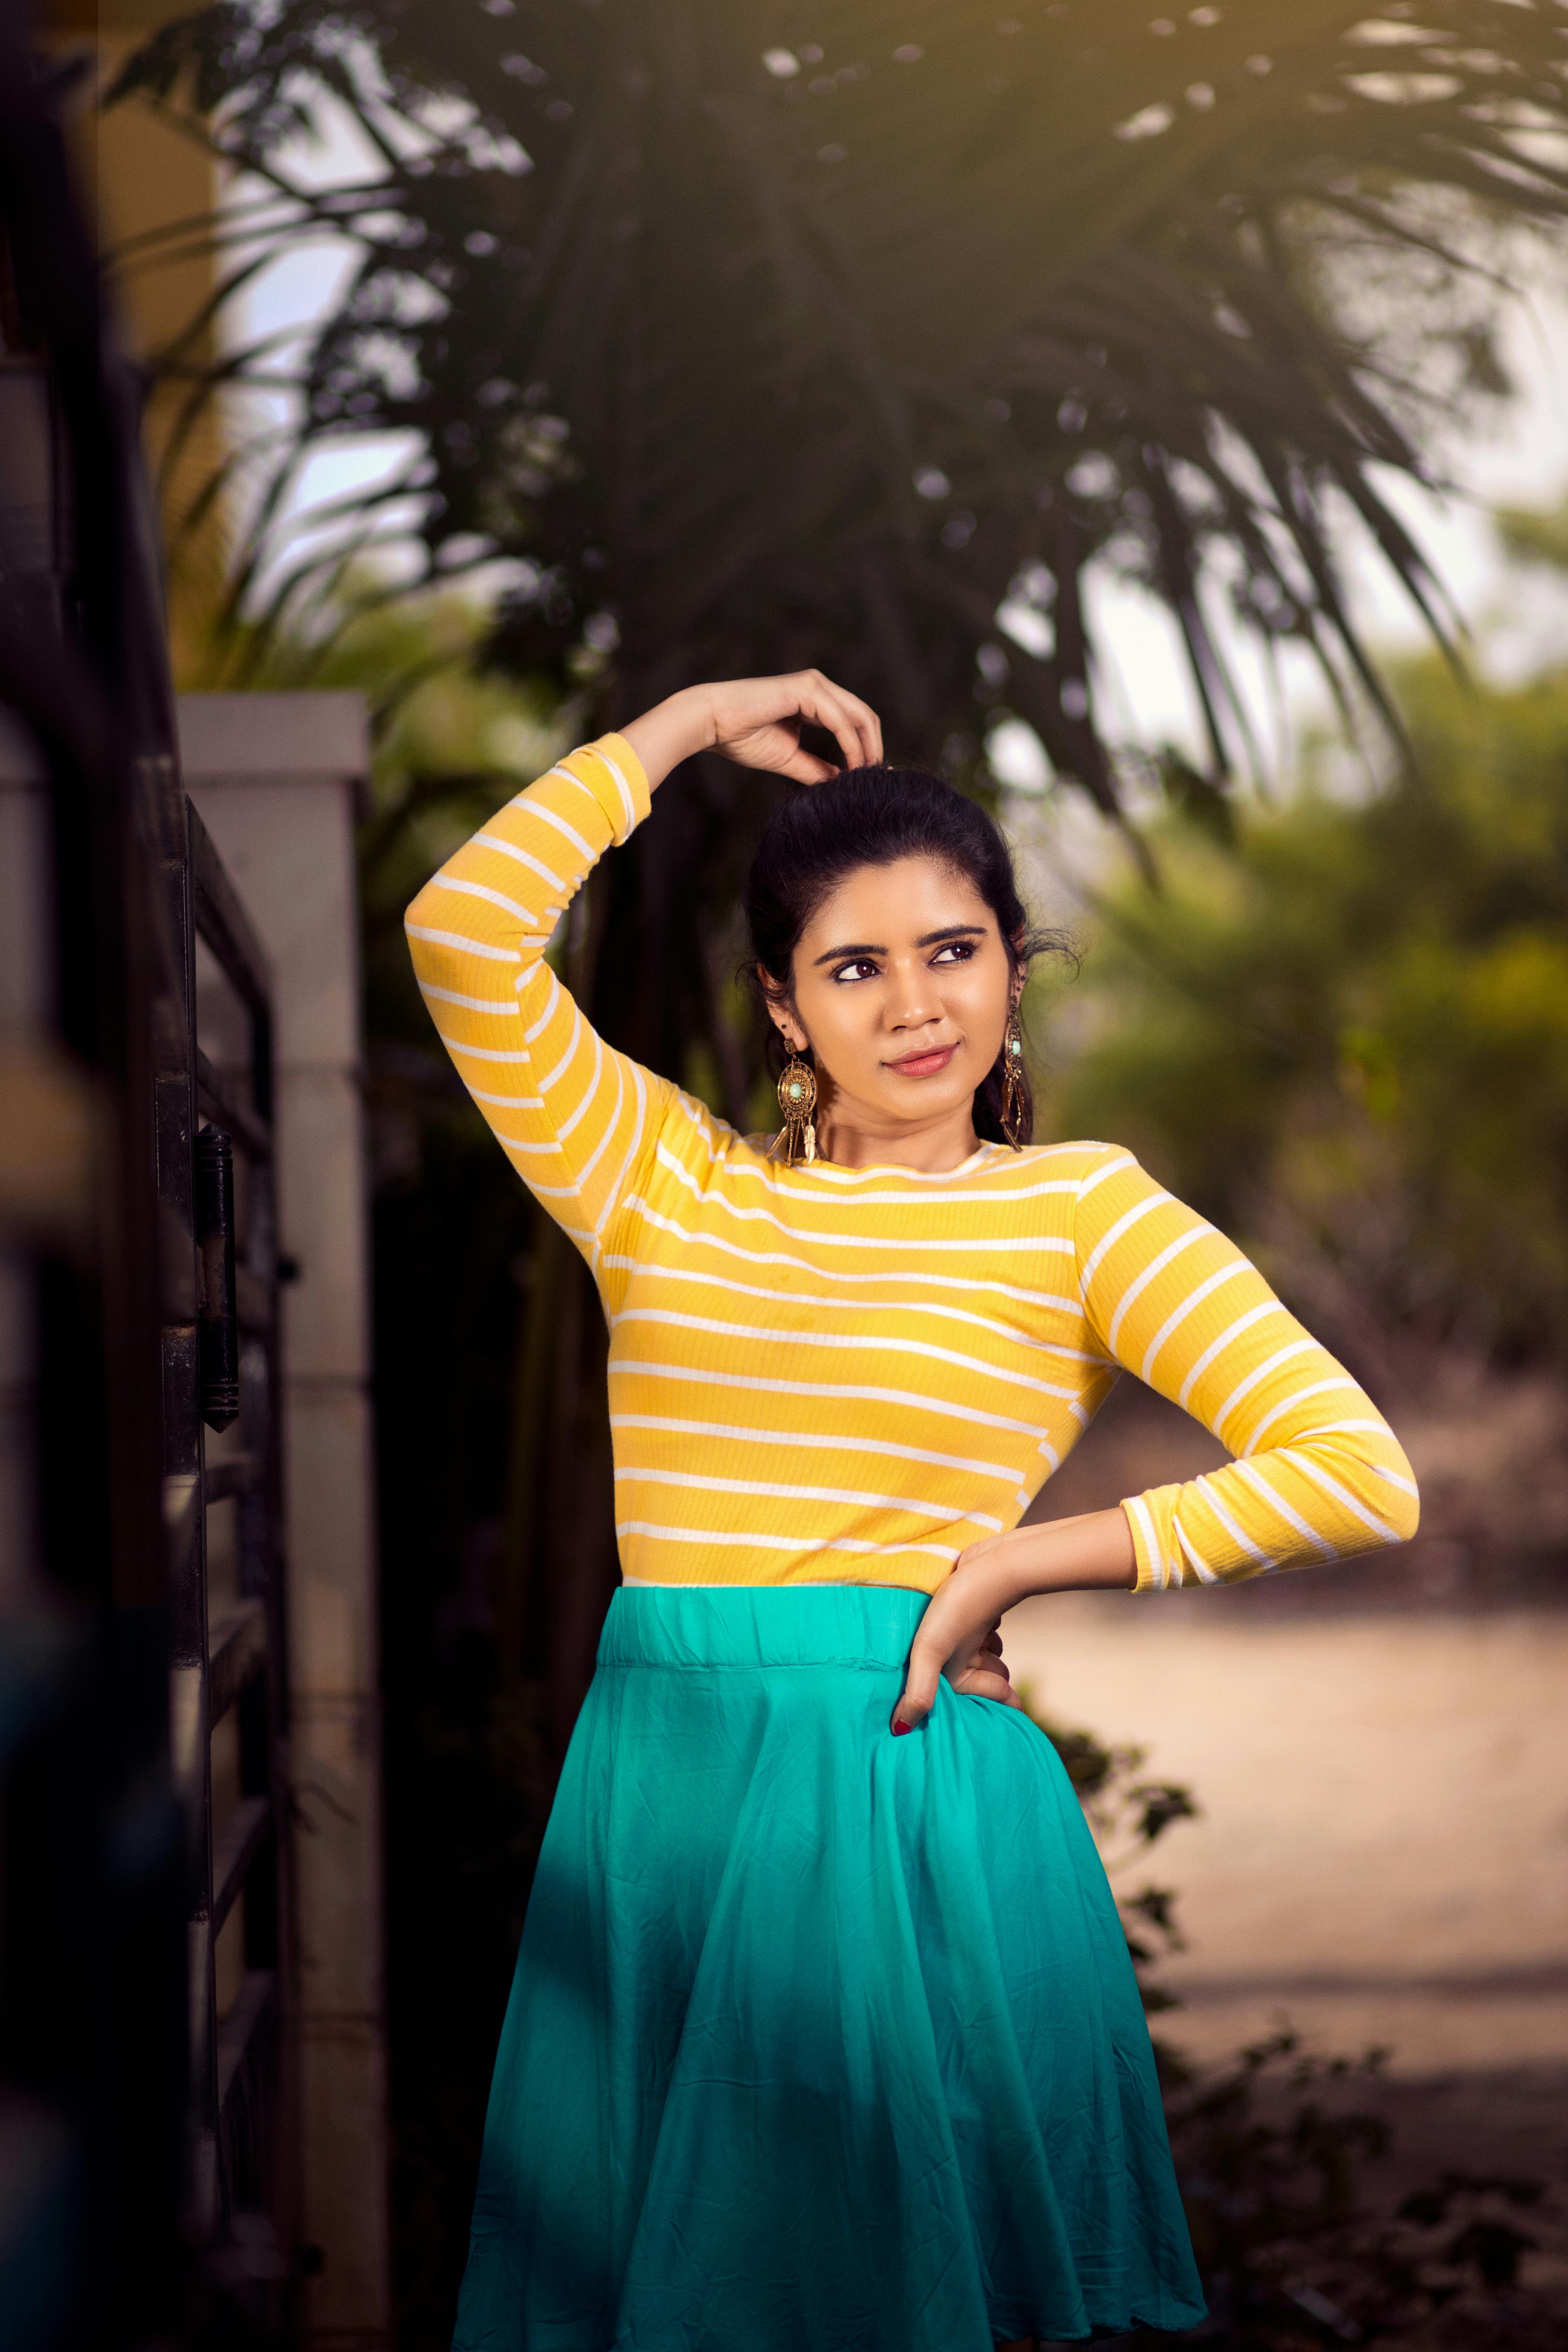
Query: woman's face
(902,989)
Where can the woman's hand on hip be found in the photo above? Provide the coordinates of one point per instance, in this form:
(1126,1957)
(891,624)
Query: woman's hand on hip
(1091,1553)
(756,721)
(959,1636)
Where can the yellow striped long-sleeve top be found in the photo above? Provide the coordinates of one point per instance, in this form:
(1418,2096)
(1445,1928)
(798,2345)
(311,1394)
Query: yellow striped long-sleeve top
(822,1375)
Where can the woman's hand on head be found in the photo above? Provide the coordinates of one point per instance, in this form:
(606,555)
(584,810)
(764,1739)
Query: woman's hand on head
(756,721)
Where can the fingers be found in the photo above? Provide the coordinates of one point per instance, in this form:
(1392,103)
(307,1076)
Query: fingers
(977,1670)
(919,1690)
(853,723)
(757,721)
(985,1658)
(985,1673)
(977,1684)
(974,1681)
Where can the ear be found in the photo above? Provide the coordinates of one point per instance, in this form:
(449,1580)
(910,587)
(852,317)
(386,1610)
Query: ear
(777,1002)
(789,1029)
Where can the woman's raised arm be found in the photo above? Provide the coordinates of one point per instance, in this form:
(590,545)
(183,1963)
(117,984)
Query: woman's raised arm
(577,1120)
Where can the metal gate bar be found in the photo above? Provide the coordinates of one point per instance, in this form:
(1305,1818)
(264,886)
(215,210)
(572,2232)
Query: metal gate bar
(241,2068)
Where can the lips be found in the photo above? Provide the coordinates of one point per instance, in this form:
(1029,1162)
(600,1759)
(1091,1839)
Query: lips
(924,1064)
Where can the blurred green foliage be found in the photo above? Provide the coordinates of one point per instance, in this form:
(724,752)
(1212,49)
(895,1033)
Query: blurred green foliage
(1533,536)
(451,737)
(1345,1038)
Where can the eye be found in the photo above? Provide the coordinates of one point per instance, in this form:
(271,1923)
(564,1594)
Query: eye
(859,968)
(956,952)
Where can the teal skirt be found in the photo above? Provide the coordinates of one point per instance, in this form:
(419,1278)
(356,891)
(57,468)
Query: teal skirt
(820,2041)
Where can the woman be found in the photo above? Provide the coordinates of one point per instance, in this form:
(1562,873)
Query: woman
(824,2031)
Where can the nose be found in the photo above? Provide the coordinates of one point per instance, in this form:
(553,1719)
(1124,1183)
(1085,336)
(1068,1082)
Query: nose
(912,1002)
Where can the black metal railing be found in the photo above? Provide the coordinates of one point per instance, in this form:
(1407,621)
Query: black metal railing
(147,2174)
(220,1368)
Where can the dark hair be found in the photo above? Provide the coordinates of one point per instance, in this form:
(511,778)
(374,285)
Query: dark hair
(873,816)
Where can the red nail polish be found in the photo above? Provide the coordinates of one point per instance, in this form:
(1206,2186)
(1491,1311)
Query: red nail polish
(899,1728)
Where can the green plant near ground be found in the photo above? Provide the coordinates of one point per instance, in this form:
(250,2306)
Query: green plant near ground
(1272,2151)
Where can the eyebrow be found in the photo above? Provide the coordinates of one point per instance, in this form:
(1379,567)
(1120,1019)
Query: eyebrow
(926,940)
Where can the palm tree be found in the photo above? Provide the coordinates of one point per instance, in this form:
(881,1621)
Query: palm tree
(756,336)
(756,352)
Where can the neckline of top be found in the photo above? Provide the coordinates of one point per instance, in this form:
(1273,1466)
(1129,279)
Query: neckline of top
(985,1152)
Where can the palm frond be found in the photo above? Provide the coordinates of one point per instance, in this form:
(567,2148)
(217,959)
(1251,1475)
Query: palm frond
(833,354)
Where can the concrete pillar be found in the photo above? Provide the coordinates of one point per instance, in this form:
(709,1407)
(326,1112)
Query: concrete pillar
(275,778)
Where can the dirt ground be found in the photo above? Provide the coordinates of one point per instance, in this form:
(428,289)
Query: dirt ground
(1382,1855)
(1383,1850)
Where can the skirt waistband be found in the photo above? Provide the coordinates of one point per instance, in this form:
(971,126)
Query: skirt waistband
(761,1625)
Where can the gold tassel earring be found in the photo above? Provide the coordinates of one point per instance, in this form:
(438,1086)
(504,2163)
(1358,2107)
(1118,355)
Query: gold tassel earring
(1013,1079)
(796,1139)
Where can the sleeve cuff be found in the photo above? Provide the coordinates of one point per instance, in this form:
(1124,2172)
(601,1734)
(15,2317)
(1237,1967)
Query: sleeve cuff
(1140,1521)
